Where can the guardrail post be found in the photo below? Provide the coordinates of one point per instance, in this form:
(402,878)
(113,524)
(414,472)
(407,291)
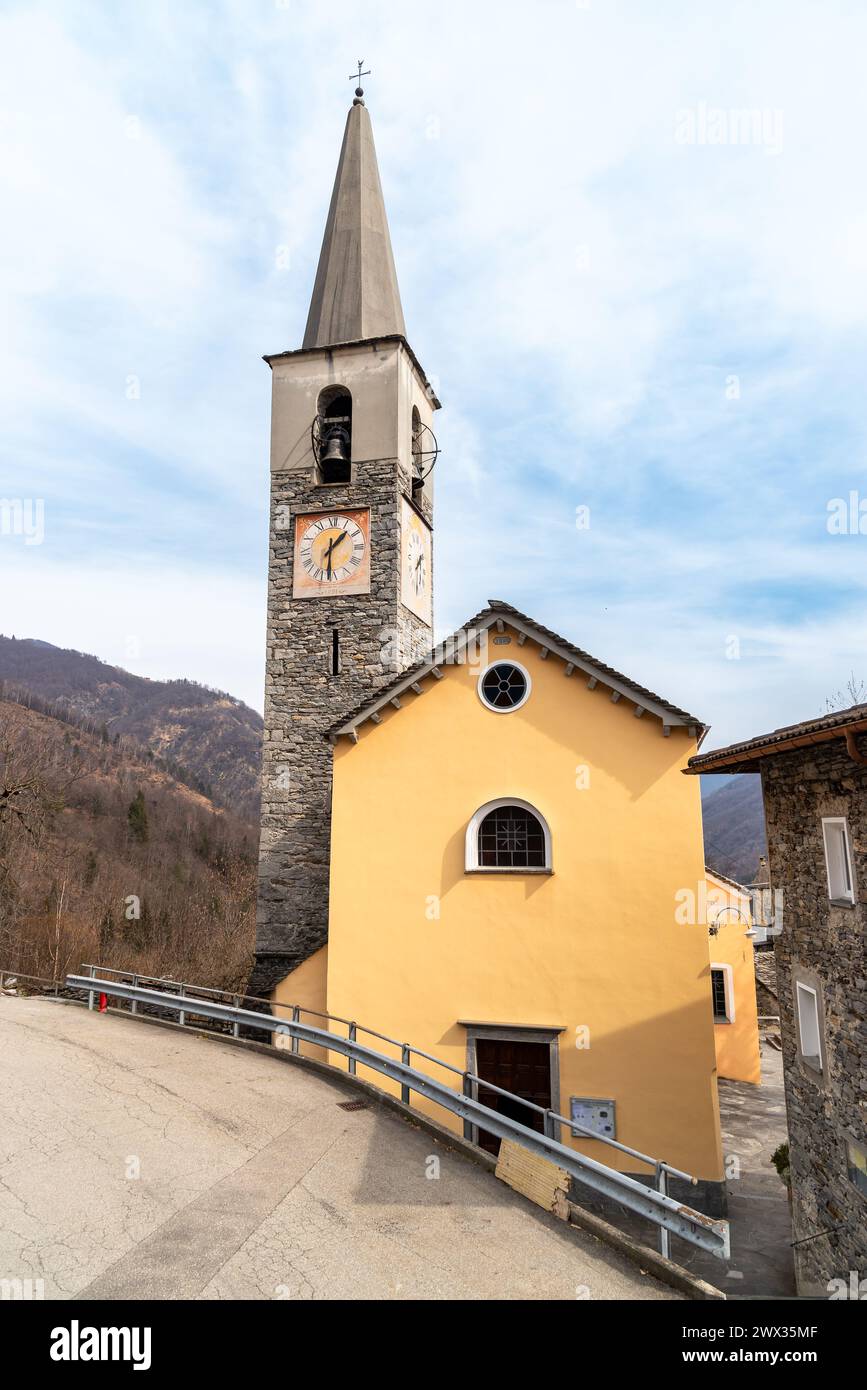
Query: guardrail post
(468,1092)
(182,1015)
(662,1187)
(296,1018)
(406,1058)
(236,1004)
(353,1034)
(90,992)
(134,1002)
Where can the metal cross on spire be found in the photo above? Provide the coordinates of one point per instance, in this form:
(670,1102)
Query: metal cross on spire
(357,76)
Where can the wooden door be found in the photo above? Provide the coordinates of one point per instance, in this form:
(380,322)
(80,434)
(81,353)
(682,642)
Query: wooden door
(521,1067)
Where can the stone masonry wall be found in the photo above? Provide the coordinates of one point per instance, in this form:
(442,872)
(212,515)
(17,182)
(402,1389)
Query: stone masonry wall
(303,699)
(823,945)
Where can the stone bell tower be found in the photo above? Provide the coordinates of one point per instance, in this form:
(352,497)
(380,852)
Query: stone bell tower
(350,547)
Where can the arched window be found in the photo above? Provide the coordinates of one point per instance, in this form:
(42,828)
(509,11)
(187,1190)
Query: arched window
(508,836)
(334,418)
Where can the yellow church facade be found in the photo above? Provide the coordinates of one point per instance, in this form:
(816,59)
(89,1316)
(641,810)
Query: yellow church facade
(571,978)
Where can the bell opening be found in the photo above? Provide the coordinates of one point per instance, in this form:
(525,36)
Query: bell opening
(335,436)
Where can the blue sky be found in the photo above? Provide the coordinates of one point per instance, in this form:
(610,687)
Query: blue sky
(631,298)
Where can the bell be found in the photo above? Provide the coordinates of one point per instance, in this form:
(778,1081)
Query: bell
(335,451)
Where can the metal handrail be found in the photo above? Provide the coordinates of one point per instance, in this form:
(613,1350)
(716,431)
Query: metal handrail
(550,1117)
(654,1203)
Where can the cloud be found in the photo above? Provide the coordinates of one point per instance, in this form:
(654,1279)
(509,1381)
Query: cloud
(668,333)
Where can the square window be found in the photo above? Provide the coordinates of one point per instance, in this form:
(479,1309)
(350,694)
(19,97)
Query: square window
(808,1025)
(838,859)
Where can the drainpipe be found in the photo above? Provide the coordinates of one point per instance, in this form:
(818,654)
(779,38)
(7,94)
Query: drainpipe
(853,750)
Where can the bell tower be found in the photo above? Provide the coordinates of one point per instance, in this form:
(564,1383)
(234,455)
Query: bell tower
(350,545)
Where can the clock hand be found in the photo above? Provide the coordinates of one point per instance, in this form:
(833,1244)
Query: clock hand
(332,546)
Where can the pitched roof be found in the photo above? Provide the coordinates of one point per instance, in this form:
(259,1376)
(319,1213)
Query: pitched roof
(724,878)
(355,295)
(746,756)
(451,651)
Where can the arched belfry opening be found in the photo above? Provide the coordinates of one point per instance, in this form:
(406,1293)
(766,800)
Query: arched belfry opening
(333,435)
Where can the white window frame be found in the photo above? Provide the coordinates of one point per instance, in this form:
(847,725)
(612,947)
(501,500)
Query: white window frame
(838,859)
(471,843)
(504,709)
(806,996)
(729,982)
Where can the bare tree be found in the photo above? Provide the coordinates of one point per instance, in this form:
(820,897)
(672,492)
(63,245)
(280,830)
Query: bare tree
(854,693)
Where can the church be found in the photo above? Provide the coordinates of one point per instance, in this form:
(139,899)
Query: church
(480,845)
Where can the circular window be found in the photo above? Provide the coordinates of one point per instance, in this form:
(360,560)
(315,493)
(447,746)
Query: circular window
(504,686)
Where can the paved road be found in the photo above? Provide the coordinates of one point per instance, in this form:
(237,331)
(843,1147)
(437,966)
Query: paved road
(139,1162)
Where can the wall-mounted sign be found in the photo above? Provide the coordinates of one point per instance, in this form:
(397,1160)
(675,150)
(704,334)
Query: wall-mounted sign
(592,1114)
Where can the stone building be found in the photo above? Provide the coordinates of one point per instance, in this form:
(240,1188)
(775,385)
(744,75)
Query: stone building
(814,782)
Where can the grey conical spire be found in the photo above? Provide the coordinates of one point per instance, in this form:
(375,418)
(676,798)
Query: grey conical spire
(355,295)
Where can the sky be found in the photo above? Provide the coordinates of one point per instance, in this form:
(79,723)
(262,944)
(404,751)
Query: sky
(631,242)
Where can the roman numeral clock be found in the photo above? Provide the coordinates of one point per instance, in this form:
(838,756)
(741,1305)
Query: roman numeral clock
(416,589)
(332,553)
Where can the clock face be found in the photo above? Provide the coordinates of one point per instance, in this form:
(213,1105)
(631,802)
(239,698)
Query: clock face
(416,564)
(332,554)
(415,567)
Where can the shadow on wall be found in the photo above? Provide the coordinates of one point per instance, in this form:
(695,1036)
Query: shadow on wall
(638,1067)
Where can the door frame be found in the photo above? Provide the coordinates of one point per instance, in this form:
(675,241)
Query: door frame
(512,1032)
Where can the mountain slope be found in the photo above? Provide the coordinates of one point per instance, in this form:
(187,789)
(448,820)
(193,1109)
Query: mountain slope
(104,856)
(217,738)
(734,825)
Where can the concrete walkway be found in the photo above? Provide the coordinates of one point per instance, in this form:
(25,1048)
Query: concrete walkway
(140,1162)
(753,1120)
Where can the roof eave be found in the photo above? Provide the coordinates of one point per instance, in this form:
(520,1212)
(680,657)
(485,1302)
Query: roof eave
(747,757)
(272,357)
(446,652)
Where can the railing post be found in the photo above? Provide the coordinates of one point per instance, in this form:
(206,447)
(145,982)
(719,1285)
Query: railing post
(405,1057)
(551,1126)
(662,1187)
(134,1002)
(353,1035)
(182,1015)
(468,1092)
(236,1027)
(92,969)
(296,1018)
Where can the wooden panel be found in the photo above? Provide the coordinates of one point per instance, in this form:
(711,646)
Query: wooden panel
(535,1177)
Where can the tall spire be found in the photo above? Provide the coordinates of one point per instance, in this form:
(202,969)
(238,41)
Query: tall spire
(355,295)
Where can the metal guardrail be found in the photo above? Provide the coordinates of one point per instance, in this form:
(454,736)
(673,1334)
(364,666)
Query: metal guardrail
(670,1216)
